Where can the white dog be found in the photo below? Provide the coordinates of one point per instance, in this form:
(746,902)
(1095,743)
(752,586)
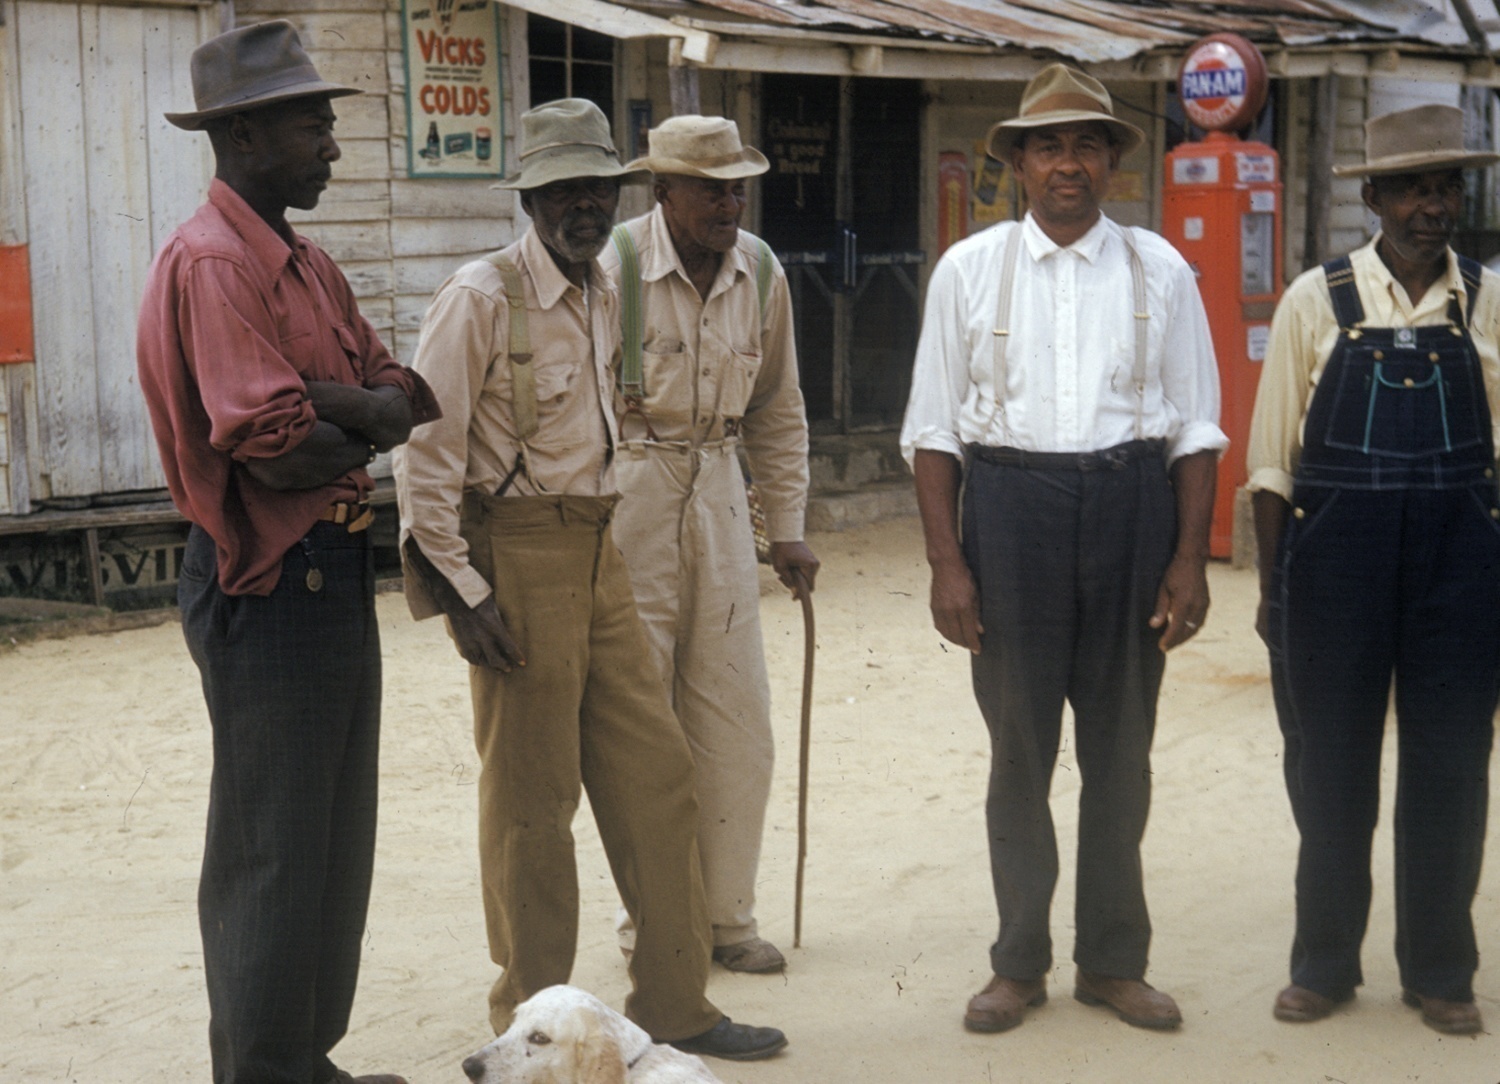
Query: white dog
(564,1035)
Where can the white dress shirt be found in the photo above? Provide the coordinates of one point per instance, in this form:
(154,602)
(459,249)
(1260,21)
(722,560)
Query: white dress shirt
(1071,350)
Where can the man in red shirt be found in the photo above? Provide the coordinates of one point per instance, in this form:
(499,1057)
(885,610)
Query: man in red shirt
(269,394)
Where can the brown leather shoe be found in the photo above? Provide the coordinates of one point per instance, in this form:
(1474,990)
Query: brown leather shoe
(1449,1017)
(1002,1004)
(1137,1002)
(1299,1005)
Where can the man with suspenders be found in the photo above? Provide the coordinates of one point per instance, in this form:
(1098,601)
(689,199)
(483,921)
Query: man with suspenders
(505,516)
(709,364)
(1372,467)
(1065,376)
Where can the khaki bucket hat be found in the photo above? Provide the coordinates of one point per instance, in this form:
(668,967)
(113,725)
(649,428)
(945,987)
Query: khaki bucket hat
(1418,140)
(695,146)
(251,67)
(565,140)
(1059,94)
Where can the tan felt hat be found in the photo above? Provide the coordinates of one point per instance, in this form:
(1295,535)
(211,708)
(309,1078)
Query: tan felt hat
(566,140)
(251,67)
(1059,94)
(695,146)
(1417,140)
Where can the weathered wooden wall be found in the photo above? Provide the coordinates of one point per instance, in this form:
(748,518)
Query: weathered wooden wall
(93,183)
(395,237)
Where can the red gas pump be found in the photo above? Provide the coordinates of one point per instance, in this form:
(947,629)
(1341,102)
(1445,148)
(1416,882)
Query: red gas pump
(1221,208)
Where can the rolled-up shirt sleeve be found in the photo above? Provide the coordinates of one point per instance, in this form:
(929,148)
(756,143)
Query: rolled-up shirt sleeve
(940,379)
(255,400)
(453,358)
(1286,383)
(1190,372)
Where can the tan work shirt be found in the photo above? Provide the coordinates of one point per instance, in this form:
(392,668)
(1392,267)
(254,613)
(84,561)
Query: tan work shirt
(716,366)
(1304,331)
(463,354)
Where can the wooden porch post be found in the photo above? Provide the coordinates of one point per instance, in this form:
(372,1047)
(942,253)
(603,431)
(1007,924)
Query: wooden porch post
(1320,170)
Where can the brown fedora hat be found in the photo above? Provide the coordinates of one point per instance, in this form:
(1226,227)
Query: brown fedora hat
(565,140)
(1059,94)
(695,146)
(1417,140)
(251,67)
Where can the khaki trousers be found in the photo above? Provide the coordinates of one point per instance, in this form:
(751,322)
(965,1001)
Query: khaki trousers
(684,527)
(587,711)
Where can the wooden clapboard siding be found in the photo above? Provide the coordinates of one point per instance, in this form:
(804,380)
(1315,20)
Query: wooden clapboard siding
(56,163)
(15,488)
(120,248)
(396,239)
(104,183)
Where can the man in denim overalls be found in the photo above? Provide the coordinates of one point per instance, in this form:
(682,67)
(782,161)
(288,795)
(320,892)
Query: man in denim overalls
(1373,473)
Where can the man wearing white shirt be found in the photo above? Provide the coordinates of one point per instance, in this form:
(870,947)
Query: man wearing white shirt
(1066,377)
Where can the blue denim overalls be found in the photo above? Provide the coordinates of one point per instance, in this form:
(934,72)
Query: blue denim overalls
(1390,566)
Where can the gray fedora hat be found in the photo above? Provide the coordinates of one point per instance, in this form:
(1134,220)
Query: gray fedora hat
(1417,140)
(251,67)
(564,140)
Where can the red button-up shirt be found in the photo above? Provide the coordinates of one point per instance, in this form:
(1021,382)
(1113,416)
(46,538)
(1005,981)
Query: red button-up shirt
(233,321)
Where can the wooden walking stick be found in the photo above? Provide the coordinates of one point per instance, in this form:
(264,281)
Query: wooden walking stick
(809,647)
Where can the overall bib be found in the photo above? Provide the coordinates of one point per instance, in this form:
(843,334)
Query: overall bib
(1390,567)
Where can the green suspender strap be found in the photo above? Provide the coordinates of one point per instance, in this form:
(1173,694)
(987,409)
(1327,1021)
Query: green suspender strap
(518,350)
(632,381)
(632,322)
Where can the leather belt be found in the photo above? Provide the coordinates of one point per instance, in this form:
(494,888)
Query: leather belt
(349,515)
(1117,458)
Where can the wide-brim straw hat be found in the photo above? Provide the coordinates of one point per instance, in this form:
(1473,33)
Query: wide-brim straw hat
(1059,94)
(566,140)
(252,67)
(694,146)
(1418,140)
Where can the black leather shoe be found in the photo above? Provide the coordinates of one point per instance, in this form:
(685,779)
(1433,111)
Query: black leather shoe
(734,1042)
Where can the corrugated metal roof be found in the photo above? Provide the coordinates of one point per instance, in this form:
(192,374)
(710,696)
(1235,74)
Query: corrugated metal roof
(1098,30)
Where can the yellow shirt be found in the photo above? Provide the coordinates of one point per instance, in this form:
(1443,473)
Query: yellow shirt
(1303,333)
(463,356)
(708,361)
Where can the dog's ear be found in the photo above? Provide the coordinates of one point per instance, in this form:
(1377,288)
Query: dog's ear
(596,1051)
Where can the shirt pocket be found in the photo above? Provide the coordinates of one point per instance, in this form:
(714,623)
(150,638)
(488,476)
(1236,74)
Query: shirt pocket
(668,379)
(737,383)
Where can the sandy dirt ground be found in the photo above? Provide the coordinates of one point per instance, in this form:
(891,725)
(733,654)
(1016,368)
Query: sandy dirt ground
(104,768)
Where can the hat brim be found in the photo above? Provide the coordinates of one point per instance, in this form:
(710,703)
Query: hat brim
(1423,162)
(751,163)
(568,163)
(193,122)
(1003,136)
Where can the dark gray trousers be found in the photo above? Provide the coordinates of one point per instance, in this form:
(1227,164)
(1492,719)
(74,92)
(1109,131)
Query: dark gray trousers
(292,683)
(1068,564)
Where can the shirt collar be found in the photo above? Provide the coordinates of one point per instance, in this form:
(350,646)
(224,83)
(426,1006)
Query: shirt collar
(1089,246)
(546,277)
(267,246)
(663,258)
(1450,281)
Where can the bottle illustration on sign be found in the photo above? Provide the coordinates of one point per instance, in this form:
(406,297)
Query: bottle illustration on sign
(482,144)
(434,149)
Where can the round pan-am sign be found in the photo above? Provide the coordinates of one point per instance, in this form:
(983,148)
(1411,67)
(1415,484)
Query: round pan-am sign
(1222,83)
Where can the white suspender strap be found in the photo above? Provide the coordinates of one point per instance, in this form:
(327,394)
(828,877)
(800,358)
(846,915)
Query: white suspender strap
(1142,316)
(1002,316)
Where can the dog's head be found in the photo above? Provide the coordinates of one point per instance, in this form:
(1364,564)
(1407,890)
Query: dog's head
(562,1035)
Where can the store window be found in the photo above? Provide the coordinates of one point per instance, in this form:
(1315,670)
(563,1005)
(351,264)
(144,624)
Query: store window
(570,62)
